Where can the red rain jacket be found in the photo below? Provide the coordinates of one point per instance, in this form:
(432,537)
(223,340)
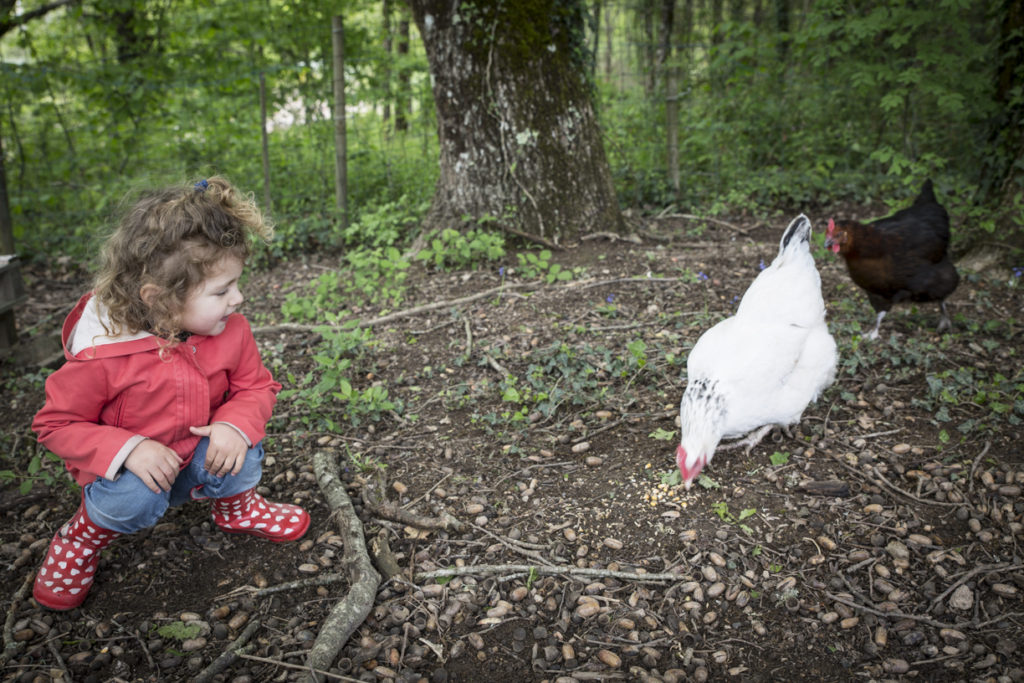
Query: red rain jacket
(114,392)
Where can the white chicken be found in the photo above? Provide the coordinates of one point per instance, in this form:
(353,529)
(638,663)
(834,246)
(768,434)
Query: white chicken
(762,366)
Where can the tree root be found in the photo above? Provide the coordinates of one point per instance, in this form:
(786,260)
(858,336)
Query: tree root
(352,610)
(383,558)
(392,512)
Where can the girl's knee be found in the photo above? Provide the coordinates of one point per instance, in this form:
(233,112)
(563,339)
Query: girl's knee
(123,505)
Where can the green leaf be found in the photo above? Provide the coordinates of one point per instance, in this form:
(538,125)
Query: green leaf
(777,458)
(663,434)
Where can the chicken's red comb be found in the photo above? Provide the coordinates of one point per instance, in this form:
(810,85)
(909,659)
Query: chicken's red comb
(831,228)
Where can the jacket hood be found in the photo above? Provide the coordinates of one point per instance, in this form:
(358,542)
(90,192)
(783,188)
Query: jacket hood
(85,338)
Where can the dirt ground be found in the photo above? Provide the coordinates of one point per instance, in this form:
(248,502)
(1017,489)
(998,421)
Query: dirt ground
(880,541)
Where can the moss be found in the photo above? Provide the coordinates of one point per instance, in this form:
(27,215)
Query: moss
(524,31)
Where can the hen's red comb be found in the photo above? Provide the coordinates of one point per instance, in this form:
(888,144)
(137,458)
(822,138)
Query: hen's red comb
(831,228)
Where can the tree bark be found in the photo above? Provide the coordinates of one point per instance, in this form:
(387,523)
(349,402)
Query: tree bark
(519,138)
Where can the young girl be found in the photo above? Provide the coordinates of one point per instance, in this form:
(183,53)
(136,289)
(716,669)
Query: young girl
(163,397)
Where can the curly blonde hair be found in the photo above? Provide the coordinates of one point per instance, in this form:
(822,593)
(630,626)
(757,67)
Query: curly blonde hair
(172,239)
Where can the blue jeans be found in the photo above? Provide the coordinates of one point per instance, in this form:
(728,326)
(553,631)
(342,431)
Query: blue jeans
(127,505)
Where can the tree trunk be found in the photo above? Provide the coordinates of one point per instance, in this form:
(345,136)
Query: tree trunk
(519,139)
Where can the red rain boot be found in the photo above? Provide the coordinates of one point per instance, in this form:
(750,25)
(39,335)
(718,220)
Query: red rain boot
(70,565)
(250,513)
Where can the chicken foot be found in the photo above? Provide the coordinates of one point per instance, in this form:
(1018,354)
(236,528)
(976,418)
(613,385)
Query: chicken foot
(753,438)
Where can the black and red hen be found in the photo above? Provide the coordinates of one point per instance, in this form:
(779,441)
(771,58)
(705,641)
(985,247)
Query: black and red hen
(904,257)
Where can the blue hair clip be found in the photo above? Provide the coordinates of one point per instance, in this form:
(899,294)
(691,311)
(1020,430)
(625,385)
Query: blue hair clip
(202,185)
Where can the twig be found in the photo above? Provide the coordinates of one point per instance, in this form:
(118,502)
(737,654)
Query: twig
(888,615)
(876,473)
(597,431)
(977,570)
(612,236)
(600,283)
(287,665)
(229,655)
(508,543)
(469,338)
(496,365)
(352,610)
(10,645)
(429,491)
(874,434)
(298,584)
(717,221)
(491,569)
(974,467)
(60,660)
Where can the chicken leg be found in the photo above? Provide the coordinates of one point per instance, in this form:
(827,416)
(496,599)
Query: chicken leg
(751,440)
(873,334)
(944,322)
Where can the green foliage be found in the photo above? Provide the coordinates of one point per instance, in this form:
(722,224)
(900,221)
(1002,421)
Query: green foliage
(663,434)
(671,477)
(34,472)
(534,265)
(385,225)
(327,395)
(722,510)
(179,630)
(853,102)
(451,249)
(778,458)
(375,275)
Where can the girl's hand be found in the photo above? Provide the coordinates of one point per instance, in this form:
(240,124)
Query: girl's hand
(155,464)
(227,449)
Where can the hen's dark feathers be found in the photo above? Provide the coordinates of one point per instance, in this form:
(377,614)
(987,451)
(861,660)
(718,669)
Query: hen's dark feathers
(903,256)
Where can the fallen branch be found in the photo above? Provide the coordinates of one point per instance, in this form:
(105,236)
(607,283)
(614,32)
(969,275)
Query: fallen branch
(416,310)
(229,655)
(352,610)
(492,569)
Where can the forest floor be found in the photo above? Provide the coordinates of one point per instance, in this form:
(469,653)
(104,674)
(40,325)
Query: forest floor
(880,541)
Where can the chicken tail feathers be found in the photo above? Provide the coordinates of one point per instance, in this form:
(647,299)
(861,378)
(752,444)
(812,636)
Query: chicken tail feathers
(798,232)
(927,194)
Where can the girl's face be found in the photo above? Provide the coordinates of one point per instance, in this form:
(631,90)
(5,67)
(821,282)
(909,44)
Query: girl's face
(209,305)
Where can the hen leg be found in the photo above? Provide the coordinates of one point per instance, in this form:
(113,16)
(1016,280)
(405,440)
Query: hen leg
(873,334)
(944,322)
(751,440)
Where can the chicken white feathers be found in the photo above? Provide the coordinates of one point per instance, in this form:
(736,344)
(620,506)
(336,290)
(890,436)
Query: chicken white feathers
(763,365)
